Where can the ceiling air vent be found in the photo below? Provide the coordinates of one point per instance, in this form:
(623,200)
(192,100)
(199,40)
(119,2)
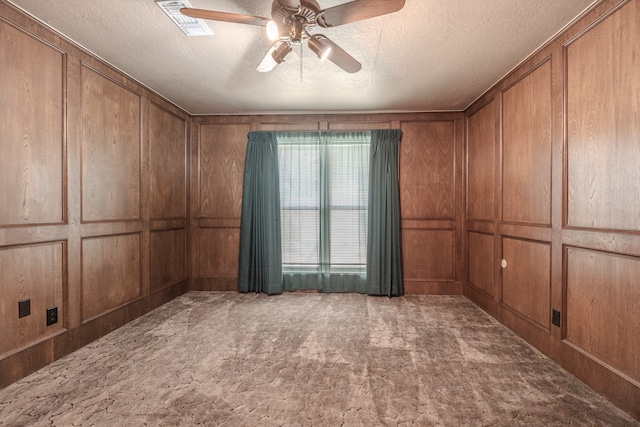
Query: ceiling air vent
(189,26)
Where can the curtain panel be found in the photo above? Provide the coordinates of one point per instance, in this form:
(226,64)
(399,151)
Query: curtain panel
(384,246)
(260,264)
(325,197)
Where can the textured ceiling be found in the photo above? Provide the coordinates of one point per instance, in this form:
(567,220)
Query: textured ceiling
(433,55)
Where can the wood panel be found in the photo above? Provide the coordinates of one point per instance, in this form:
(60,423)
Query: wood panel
(603,296)
(481,261)
(111,142)
(219,252)
(428,254)
(526,145)
(604,125)
(222,154)
(167,254)
(481,164)
(290,127)
(526,280)
(111,273)
(167,164)
(32,272)
(359,126)
(427,170)
(31,129)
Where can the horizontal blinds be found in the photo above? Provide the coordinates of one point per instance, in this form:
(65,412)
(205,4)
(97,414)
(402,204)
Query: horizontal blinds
(324,195)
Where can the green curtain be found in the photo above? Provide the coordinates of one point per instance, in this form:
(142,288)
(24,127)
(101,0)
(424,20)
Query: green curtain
(384,249)
(260,267)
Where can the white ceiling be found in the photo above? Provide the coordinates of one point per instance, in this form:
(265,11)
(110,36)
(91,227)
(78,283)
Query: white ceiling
(433,55)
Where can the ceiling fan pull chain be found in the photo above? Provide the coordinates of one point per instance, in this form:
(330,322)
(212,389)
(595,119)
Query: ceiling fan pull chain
(301,56)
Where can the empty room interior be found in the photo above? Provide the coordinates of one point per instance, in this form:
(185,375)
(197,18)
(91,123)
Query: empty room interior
(510,294)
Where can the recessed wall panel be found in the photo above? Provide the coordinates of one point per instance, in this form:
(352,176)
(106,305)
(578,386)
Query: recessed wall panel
(427,254)
(33,272)
(526,279)
(481,164)
(603,296)
(167,258)
(219,252)
(111,273)
(481,261)
(222,153)
(526,145)
(31,129)
(110,149)
(167,164)
(427,170)
(604,124)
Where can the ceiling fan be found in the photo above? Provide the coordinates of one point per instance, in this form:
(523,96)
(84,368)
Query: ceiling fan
(293,21)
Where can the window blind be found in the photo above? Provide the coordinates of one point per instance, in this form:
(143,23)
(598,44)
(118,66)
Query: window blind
(324,201)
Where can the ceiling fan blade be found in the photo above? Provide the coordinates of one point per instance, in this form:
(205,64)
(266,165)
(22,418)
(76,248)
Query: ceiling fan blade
(357,11)
(339,56)
(224,16)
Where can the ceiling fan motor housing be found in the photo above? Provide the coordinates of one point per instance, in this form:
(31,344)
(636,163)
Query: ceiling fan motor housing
(295,21)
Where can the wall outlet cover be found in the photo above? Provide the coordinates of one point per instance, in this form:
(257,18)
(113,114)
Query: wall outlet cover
(24,308)
(52,315)
(555,316)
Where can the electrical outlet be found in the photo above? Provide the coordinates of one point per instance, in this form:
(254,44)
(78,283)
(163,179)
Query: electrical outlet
(52,315)
(24,308)
(555,316)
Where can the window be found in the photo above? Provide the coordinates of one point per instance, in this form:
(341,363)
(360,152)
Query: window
(324,201)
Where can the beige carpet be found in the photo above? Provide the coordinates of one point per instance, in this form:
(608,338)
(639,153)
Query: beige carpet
(229,359)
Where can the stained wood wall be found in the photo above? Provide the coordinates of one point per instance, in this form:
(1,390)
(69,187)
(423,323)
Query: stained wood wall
(111,199)
(430,186)
(553,189)
(93,201)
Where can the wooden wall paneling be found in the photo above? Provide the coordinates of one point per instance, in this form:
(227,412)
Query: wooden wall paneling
(34,272)
(481,261)
(168,263)
(219,252)
(481,163)
(167,164)
(32,151)
(111,273)
(144,198)
(526,279)
(428,254)
(459,174)
(359,126)
(603,297)
(221,169)
(427,170)
(290,127)
(557,183)
(603,124)
(526,148)
(74,191)
(111,149)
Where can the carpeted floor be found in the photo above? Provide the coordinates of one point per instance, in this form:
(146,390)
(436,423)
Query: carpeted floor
(231,359)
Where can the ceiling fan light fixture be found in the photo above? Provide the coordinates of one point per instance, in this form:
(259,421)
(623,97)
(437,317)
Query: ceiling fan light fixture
(281,53)
(319,48)
(272,30)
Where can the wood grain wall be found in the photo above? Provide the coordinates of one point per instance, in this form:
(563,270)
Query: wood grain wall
(93,201)
(553,201)
(430,186)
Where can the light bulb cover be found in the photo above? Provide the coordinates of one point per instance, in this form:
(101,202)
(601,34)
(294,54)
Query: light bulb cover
(272,30)
(281,52)
(319,48)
